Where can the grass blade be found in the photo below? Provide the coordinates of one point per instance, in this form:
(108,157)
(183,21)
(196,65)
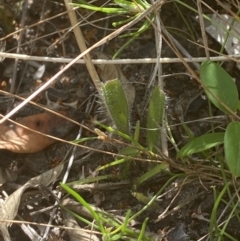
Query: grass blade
(201,143)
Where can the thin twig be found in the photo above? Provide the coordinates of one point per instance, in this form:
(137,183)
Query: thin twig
(158,36)
(122,61)
(82,46)
(204,37)
(23,19)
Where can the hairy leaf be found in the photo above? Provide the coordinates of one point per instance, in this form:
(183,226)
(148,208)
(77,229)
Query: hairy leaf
(116,103)
(155,117)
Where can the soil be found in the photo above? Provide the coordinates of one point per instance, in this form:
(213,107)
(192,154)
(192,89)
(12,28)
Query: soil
(177,213)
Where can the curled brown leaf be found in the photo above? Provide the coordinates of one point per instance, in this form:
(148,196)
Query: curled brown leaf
(16,138)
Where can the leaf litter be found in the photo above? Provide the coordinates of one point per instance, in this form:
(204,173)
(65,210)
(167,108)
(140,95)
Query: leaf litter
(113,199)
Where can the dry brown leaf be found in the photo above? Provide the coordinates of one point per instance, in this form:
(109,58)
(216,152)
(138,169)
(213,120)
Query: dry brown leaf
(9,208)
(76,233)
(18,139)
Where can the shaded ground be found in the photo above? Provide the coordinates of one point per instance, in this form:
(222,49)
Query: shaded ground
(186,198)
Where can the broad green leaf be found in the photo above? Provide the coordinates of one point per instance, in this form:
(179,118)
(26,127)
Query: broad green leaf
(220,84)
(232,147)
(155,117)
(116,104)
(201,143)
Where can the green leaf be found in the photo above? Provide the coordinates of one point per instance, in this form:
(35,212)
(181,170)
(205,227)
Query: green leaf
(238,105)
(131,7)
(86,5)
(201,143)
(117,105)
(114,163)
(143,229)
(145,200)
(154,171)
(129,151)
(137,131)
(232,147)
(116,237)
(85,204)
(155,117)
(219,83)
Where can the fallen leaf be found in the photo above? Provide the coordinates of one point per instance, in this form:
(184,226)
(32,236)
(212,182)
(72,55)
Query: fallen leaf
(76,233)
(9,208)
(16,138)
